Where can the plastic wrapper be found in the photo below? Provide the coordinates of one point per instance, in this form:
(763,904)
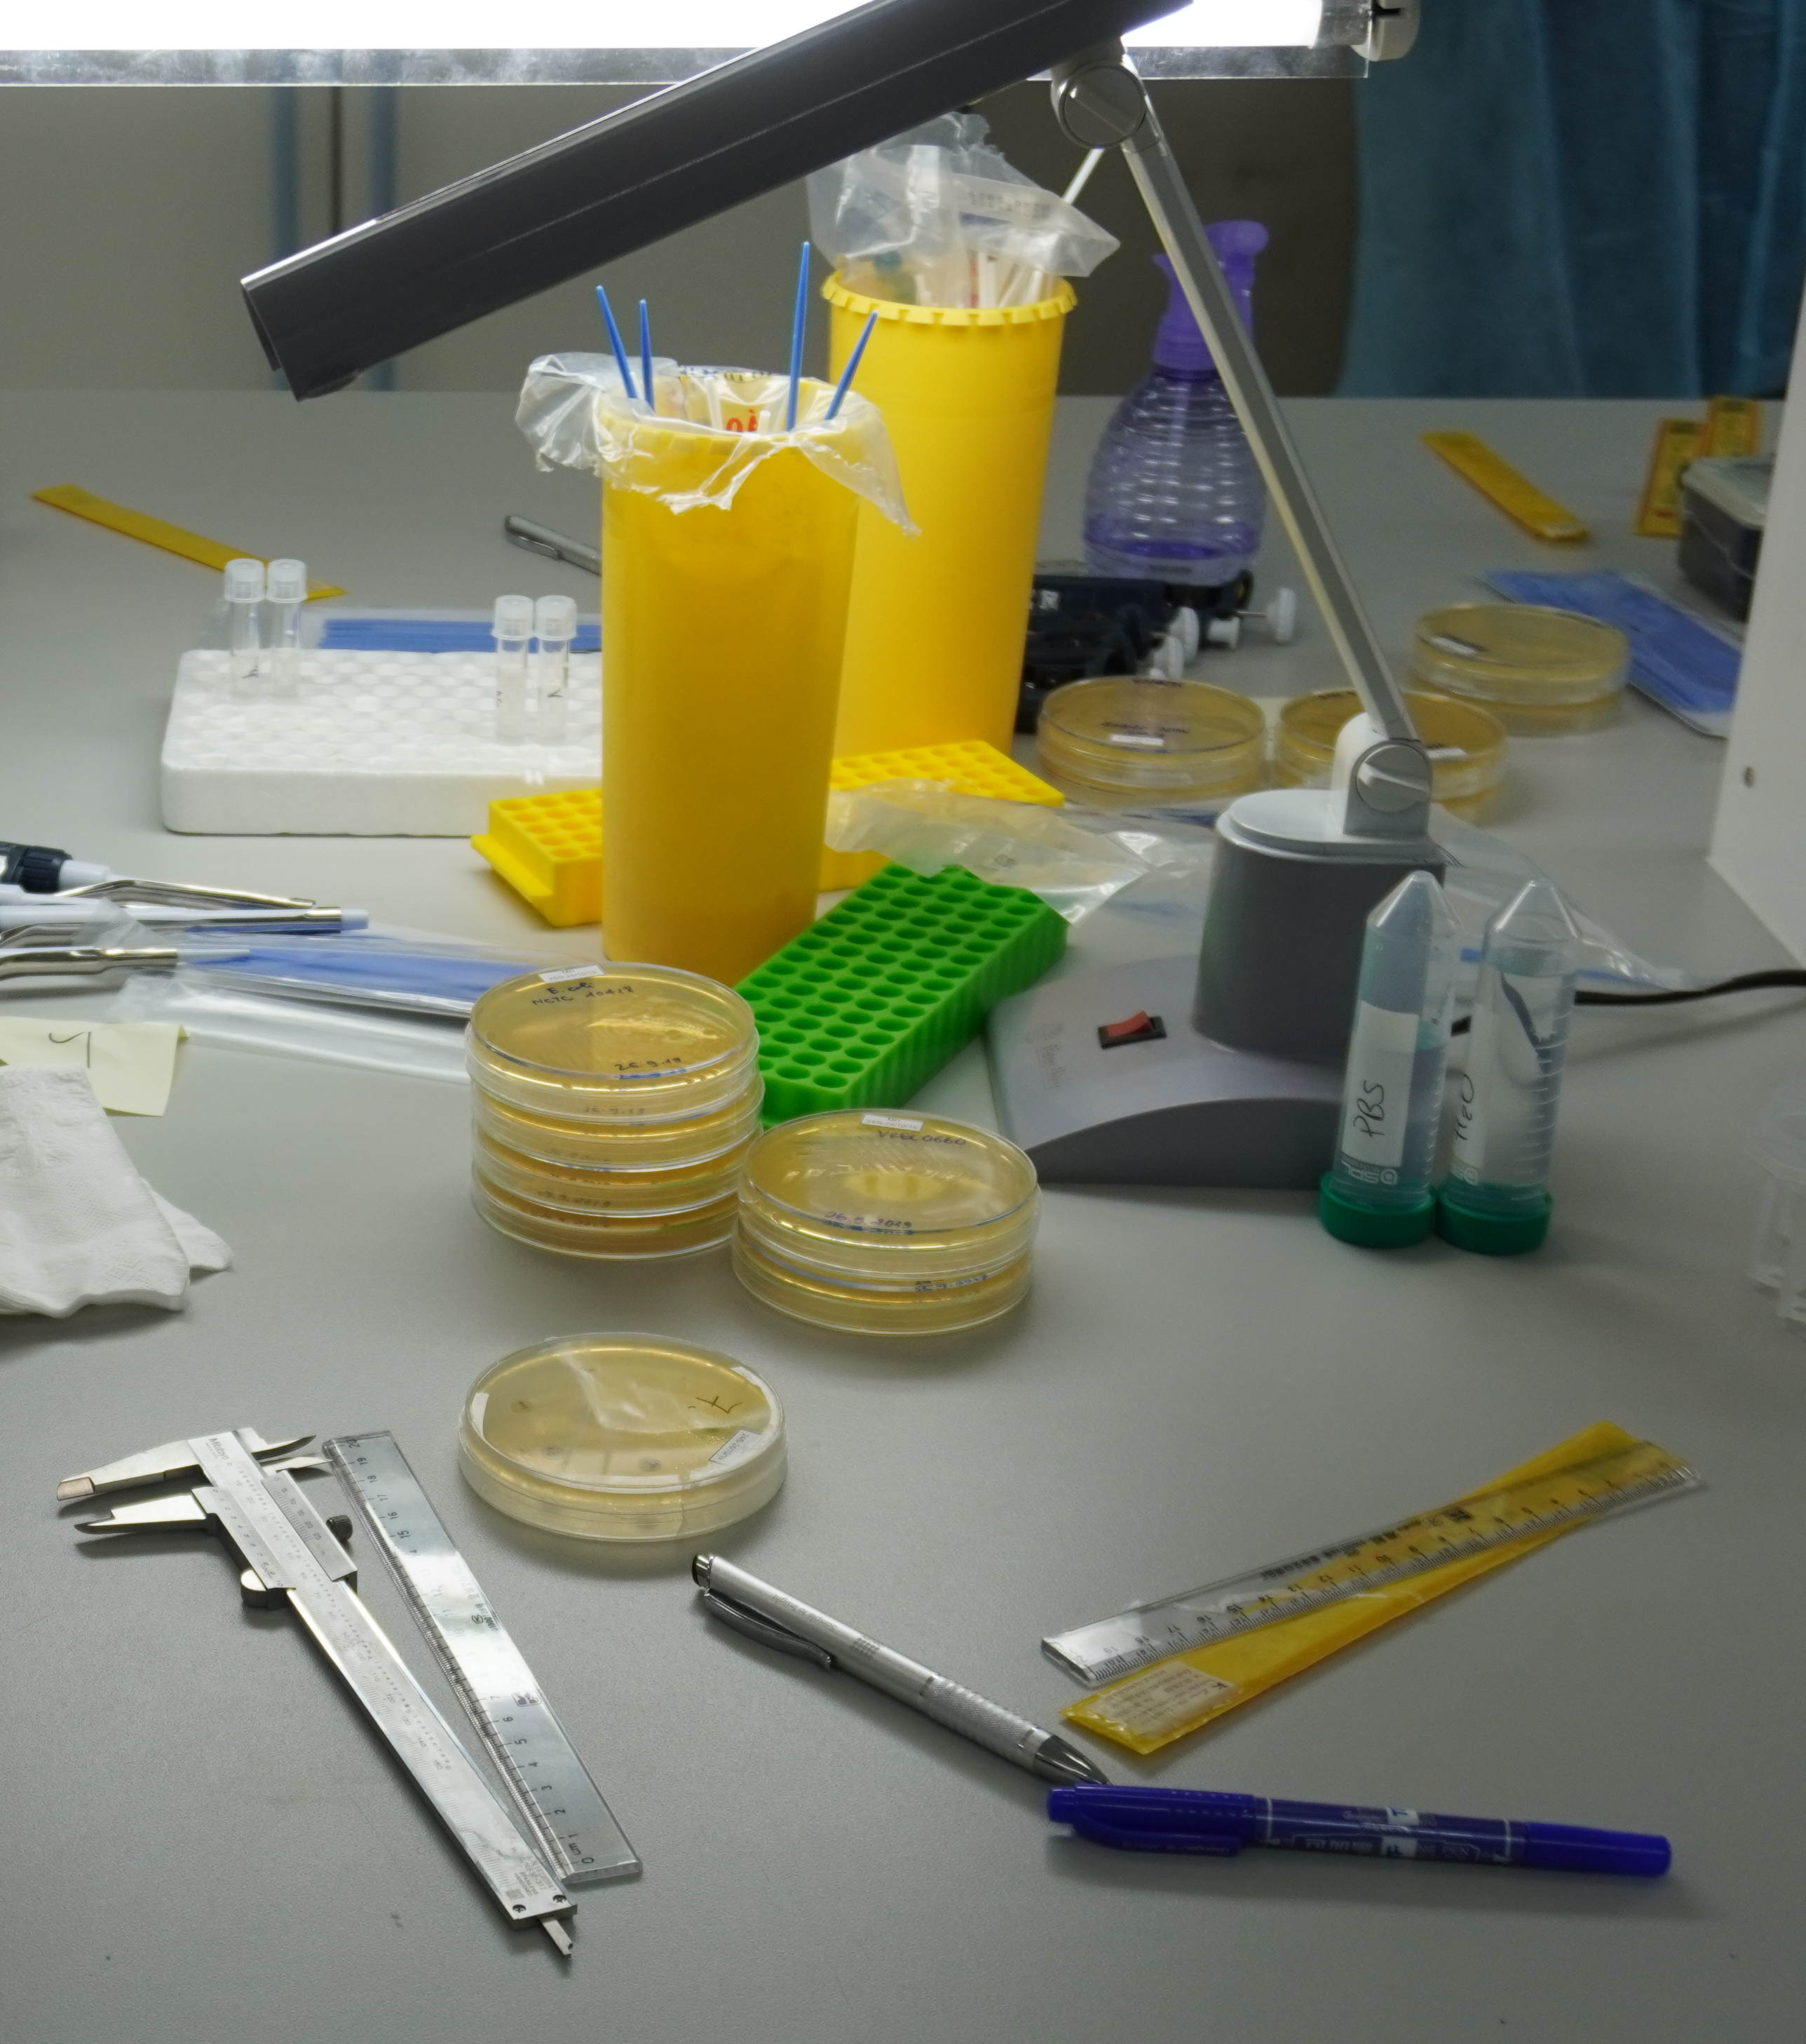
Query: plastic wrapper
(1147,863)
(1074,860)
(938,217)
(420,1046)
(575,414)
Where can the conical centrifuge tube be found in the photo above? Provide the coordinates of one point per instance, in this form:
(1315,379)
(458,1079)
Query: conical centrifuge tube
(1495,1197)
(512,628)
(1378,1192)
(245,606)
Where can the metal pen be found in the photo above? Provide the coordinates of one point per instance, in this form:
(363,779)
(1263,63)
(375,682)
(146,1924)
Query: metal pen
(554,546)
(767,1615)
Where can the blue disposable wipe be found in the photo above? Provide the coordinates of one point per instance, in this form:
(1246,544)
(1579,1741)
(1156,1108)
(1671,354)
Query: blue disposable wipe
(1676,660)
(367,973)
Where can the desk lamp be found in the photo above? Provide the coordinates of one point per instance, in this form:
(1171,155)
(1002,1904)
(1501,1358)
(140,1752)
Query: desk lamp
(1226,1071)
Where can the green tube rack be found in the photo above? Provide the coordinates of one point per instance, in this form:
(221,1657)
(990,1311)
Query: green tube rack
(872,1000)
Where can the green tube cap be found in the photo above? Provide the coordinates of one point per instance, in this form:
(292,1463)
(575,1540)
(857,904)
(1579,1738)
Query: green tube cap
(1372,1227)
(1490,1234)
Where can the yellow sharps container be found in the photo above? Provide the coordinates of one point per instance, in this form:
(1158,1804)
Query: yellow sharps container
(726,557)
(935,628)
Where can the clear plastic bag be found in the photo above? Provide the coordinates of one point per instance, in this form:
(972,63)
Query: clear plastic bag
(420,1046)
(576,414)
(1074,860)
(938,217)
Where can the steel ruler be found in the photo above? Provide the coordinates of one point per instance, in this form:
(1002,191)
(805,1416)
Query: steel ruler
(575,1828)
(290,1554)
(1153,1631)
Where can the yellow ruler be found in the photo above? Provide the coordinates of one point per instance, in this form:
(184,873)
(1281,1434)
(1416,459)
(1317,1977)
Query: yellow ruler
(156,531)
(1732,426)
(1183,1662)
(1500,484)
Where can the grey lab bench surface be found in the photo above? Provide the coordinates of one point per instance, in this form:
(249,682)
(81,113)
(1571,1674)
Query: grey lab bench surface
(202,1844)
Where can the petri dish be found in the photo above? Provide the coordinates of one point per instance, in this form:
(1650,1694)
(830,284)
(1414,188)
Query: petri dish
(934,1306)
(1120,742)
(675,1189)
(597,1232)
(614,1042)
(898,1217)
(1542,673)
(662,1144)
(622,1437)
(1467,744)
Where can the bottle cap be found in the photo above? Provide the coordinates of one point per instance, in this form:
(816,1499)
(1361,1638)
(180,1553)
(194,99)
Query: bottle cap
(1178,344)
(555,618)
(1372,1227)
(287,581)
(513,617)
(244,581)
(1489,1234)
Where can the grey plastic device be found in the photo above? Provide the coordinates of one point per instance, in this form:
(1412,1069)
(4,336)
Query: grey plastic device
(1236,1078)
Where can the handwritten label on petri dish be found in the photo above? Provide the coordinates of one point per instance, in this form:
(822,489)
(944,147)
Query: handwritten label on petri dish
(565,972)
(1144,741)
(890,1121)
(735,1445)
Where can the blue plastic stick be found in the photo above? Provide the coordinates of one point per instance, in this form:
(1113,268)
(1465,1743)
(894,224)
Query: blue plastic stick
(646,355)
(797,326)
(846,381)
(615,342)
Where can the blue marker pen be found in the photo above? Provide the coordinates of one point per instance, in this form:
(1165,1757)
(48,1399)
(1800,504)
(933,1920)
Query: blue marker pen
(1202,1821)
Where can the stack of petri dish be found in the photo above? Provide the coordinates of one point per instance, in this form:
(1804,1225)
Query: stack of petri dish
(1542,673)
(1466,744)
(887,1223)
(611,1109)
(1119,742)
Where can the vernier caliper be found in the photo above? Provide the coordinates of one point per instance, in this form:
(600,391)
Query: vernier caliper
(287,1551)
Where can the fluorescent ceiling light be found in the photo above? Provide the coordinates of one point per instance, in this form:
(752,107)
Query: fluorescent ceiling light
(555,24)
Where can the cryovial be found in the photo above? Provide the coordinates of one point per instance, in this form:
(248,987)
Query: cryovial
(512,628)
(1378,1192)
(1495,1197)
(245,603)
(286,588)
(555,624)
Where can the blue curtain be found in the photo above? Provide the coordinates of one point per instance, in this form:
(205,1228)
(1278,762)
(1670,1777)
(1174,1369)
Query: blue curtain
(1583,198)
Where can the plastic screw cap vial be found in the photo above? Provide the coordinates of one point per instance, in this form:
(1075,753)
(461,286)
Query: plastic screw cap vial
(555,623)
(243,597)
(1495,1197)
(513,628)
(285,586)
(1377,1193)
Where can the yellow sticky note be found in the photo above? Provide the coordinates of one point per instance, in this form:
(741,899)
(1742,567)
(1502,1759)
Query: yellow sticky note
(1147,1710)
(131,1064)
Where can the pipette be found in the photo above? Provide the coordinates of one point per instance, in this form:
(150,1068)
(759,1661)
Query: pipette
(1377,1192)
(287,586)
(555,624)
(1496,1198)
(513,628)
(244,601)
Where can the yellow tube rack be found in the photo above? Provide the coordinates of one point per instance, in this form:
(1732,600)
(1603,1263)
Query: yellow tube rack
(549,847)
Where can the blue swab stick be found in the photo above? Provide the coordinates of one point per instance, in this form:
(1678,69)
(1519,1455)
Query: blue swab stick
(796,327)
(846,381)
(615,342)
(646,355)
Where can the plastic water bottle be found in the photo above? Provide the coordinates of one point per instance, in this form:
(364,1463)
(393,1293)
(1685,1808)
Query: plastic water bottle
(1175,495)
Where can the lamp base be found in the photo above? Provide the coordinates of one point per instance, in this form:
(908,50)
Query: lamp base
(1094,1103)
